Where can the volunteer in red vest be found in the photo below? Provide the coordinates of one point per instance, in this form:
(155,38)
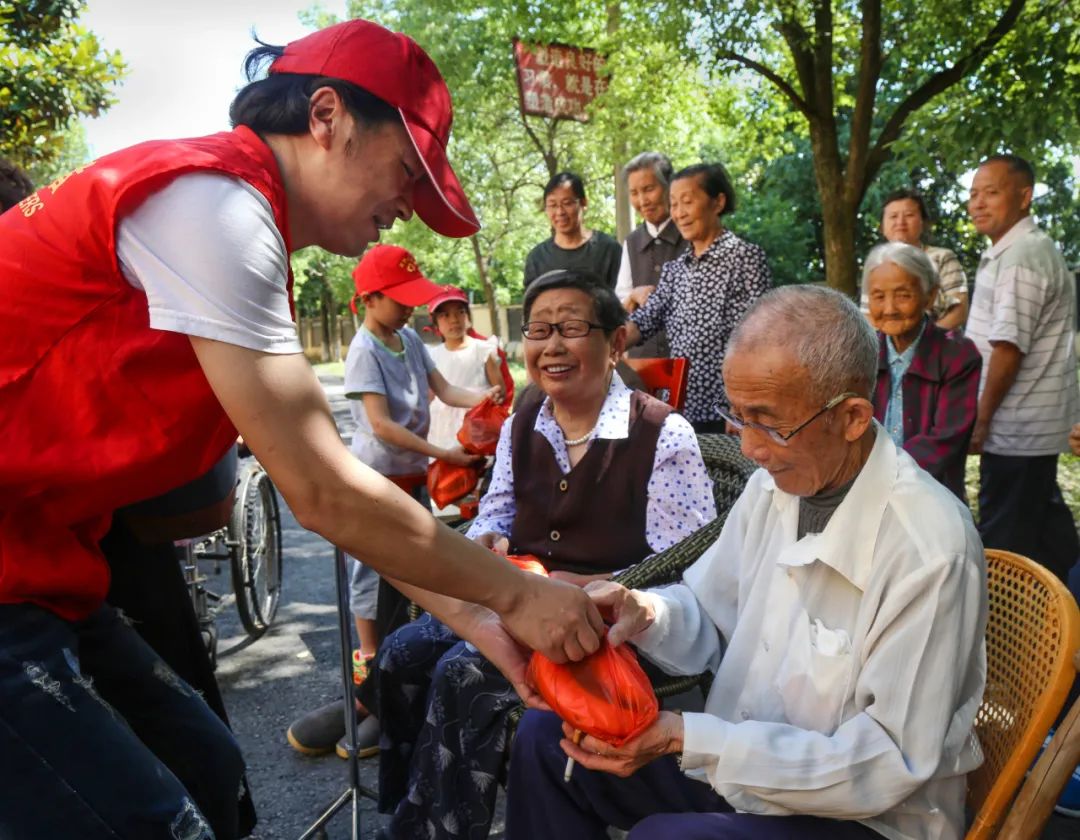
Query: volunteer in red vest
(148,317)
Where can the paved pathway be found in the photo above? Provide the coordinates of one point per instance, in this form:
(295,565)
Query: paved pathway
(291,669)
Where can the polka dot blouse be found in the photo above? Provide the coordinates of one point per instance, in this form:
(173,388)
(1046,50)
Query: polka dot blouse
(698,301)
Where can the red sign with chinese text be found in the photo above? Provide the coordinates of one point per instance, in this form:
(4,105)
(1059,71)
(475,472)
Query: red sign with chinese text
(558,81)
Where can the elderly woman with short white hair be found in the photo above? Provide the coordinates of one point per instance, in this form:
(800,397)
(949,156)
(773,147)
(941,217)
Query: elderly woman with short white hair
(928,379)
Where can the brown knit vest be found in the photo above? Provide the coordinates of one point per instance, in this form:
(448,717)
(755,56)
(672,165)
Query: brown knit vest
(592,519)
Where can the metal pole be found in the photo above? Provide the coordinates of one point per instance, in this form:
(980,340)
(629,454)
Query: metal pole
(355,790)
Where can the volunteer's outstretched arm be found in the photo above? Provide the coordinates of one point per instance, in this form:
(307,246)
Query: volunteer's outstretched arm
(277,405)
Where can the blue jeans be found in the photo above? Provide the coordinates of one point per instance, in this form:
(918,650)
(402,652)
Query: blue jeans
(658,802)
(100,739)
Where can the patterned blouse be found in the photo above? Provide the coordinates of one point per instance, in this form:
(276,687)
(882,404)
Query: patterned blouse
(679,491)
(698,301)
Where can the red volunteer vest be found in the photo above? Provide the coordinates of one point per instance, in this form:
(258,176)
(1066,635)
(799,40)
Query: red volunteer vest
(97,410)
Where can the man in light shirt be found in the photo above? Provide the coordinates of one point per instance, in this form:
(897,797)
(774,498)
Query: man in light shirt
(1023,322)
(842,610)
(651,244)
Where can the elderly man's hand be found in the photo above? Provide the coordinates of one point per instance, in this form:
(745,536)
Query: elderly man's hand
(628,610)
(1074,439)
(555,618)
(663,737)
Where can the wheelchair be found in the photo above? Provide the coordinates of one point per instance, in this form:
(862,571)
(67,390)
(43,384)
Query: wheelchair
(251,546)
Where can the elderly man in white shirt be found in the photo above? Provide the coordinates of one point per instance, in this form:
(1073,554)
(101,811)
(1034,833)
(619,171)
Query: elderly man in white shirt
(842,609)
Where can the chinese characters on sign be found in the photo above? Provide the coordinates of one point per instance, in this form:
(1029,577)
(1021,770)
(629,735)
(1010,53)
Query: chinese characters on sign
(558,81)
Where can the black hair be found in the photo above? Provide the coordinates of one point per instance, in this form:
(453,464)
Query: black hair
(280,102)
(714,180)
(606,306)
(907,194)
(14,185)
(1017,165)
(566,179)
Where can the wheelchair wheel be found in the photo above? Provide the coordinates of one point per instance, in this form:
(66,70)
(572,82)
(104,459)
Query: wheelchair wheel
(255,550)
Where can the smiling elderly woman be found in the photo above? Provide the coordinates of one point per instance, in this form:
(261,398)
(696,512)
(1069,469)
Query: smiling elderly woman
(928,379)
(590,477)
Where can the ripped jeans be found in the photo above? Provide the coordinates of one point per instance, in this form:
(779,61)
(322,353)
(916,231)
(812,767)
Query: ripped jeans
(100,739)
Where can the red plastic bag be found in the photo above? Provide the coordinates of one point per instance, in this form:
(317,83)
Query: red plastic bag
(606,695)
(446,483)
(528,563)
(479,432)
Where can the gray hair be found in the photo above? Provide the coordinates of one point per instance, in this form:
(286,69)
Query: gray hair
(826,332)
(658,163)
(907,258)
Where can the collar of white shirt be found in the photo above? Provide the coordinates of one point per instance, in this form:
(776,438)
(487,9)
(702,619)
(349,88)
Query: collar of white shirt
(1025,225)
(612,424)
(847,543)
(654,230)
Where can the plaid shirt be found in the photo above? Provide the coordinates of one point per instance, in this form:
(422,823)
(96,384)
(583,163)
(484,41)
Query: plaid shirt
(940,393)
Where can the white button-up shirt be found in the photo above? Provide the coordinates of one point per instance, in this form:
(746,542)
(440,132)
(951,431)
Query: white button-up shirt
(854,660)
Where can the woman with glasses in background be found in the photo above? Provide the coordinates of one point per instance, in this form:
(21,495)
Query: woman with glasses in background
(572,246)
(590,477)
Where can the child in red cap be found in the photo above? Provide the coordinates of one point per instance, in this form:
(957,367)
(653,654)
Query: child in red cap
(388,373)
(465,358)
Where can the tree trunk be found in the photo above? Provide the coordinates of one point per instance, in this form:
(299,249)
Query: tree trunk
(837,211)
(839,221)
(324,314)
(489,290)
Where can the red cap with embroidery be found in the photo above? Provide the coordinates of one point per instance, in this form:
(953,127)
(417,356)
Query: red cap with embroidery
(393,271)
(445,295)
(394,68)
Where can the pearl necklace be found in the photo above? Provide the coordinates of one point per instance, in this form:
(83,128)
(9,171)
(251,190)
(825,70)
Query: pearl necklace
(585,438)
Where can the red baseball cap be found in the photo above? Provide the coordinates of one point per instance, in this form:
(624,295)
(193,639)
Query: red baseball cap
(393,271)
(394,68)
(445,295)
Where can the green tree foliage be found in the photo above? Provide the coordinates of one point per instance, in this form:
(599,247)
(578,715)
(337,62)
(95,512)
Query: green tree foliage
(819,108)
(52,71)
(504,159)
(879,80)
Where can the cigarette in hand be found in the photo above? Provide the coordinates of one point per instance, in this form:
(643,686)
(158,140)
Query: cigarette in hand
(570,761)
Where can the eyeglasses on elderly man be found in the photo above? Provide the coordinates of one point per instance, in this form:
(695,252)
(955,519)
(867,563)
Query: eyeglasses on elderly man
(775,434)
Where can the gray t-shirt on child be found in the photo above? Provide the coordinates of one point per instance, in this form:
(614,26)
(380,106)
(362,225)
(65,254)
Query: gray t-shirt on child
(373,368)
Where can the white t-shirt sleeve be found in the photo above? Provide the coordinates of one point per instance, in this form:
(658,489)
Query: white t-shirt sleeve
(212,263)
(624,283)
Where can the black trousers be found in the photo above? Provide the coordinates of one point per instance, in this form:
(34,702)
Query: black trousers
(1021,509)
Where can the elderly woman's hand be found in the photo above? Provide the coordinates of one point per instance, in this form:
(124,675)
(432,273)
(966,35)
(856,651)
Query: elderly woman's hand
(663,737)
(637,297)
(629,611)
(496,542)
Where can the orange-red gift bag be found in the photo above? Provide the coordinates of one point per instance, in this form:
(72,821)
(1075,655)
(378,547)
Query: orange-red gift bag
(528,563)
(606,695)
(447,483)
(479,432)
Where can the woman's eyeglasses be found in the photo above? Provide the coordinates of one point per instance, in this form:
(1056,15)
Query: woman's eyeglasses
(574,328)
(775,434)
